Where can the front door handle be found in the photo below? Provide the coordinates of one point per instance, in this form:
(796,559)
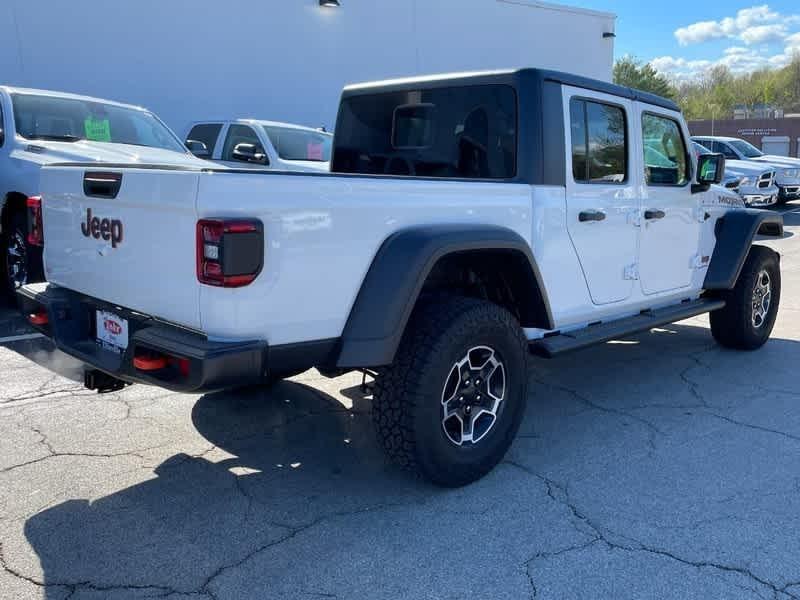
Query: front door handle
(591,215)
(651,214)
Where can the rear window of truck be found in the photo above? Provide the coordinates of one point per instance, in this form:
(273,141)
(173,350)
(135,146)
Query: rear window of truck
(467,132)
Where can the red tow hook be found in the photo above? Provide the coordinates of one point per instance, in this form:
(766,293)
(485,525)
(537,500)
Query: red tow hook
(38,318)
(150,363)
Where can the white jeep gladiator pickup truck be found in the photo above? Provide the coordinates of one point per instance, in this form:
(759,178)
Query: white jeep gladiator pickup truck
(470,219)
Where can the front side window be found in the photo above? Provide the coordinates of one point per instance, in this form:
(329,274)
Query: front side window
(746,149)
(465,132)
(300,144)
(239,136)
(69,120)
(665,156)
(599,142)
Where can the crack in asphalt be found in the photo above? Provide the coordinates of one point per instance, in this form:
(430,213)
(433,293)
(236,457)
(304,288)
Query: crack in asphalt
(602,536)
(653,430)
(53,453)
(789,436)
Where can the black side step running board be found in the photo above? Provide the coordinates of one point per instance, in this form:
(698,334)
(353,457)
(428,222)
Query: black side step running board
(604,332)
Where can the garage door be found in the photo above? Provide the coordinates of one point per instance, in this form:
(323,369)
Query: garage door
(775,144)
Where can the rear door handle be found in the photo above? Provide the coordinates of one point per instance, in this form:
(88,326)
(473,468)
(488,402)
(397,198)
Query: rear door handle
(651,214)
(591,215)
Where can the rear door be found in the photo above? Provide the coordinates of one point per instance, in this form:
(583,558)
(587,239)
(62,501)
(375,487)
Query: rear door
(134,248)
(208,133)
(602,197)
(670,232)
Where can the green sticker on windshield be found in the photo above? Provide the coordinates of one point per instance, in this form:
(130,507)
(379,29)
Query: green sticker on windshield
(97,130)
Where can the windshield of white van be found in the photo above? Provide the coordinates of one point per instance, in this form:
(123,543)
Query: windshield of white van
(300,144)
(70,120)
(746,149)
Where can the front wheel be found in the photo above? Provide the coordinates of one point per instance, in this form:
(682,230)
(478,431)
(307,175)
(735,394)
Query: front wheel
(17,255)
(452,401)
(751,306)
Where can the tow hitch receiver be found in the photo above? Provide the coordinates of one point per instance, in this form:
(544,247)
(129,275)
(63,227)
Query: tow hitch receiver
(102,382)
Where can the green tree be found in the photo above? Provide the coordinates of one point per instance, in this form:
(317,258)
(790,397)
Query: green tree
(631,72)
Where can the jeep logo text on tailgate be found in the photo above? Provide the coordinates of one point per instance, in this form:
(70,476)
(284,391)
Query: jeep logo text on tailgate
(108,229)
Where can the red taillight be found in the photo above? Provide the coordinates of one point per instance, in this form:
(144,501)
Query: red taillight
(35,230)
(38,318)
(229,252)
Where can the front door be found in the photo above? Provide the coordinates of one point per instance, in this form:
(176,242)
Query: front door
(601,192)
(670,231)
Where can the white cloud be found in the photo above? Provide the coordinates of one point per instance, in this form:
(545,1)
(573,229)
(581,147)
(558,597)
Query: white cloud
(761,34)
(754,25)
(736,58)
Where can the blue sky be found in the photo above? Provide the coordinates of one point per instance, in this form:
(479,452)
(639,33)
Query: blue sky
(683,37)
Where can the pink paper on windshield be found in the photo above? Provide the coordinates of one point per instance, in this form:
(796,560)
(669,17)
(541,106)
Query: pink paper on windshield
(314,151)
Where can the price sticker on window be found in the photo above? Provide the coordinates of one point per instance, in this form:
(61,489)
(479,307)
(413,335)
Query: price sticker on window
(97,130)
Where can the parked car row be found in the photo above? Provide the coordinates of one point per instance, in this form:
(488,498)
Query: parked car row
(754,183)
(261,144)
(741,156)
(39,127)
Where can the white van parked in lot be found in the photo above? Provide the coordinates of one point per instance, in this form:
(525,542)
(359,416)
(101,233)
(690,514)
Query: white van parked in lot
(39,127)
(251,143)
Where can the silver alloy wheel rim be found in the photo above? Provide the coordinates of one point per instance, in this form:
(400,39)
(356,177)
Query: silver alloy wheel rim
(762,297)
(16,260)
(473,393)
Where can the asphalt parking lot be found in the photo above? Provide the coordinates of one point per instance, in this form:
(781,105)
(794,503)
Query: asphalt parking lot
(658,466)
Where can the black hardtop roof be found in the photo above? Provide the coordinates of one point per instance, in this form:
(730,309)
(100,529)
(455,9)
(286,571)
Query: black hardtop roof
(509,77)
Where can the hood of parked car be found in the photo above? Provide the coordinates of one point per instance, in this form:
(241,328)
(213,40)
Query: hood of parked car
(779,161)
(47,152)
(744,168)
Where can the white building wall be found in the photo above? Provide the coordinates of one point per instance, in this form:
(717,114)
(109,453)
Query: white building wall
(280,59)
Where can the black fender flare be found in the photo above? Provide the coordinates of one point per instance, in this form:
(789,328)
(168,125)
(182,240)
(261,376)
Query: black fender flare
(397,274)
(735,232)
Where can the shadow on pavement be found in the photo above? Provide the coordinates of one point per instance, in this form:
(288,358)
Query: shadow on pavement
(286,458)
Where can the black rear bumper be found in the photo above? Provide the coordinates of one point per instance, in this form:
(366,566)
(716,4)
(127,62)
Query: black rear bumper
(206,365)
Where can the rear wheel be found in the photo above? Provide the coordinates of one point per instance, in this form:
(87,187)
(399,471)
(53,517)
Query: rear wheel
(452,402)
(18,255)
(751,306)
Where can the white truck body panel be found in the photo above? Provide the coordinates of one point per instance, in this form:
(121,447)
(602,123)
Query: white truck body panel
(321,233)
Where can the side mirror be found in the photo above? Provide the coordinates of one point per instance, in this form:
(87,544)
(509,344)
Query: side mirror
(710,168)
(249,153)
(199,149)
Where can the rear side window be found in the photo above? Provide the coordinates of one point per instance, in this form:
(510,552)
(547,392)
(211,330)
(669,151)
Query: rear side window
(206,133)
(665,156)
(599,142)
(467,132)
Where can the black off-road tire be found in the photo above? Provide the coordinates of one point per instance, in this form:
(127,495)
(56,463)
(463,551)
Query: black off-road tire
(15,232)
(407,403)
(733,326)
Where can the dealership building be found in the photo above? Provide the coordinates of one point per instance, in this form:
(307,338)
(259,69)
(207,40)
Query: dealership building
(283,60)
(773,136)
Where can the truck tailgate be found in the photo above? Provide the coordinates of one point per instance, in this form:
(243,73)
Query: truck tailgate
(136,249)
